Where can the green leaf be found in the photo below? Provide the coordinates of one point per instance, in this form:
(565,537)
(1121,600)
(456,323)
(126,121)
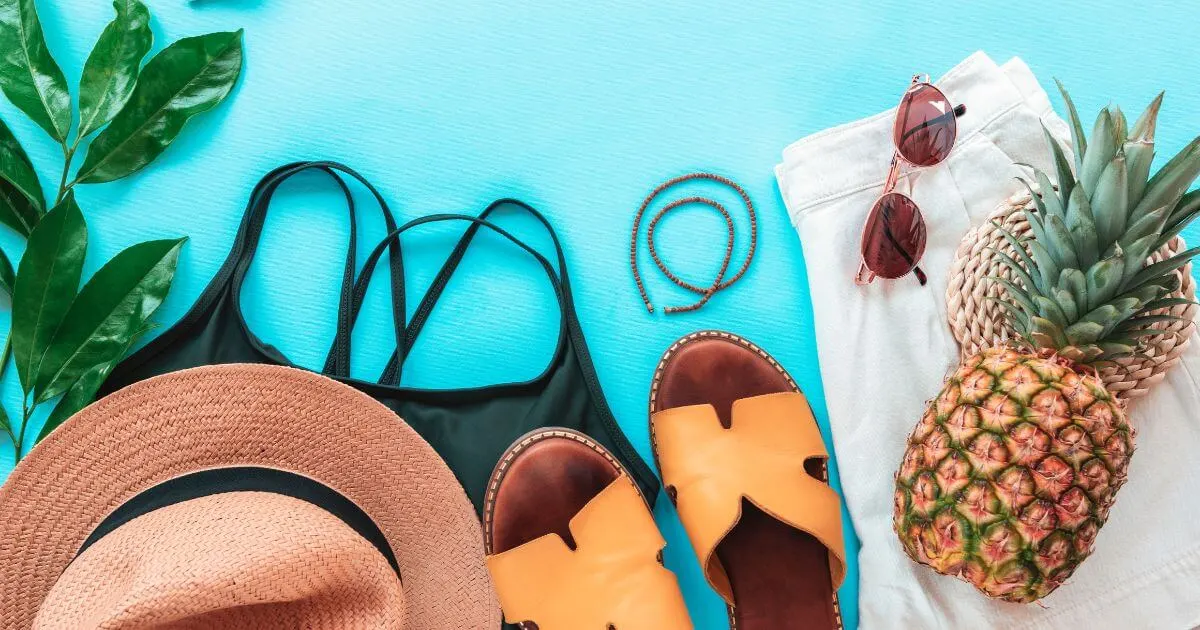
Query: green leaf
(1073,281)
(1060,241)
(1147,320)
(15,209)
(1122,346)
(83,391)
(1066,303)
(1103,280)
(1184,213)
(1054,205)
(111,70)
(21,201)
(1172,180)
(1159,269)
(1110,202)
(1050,310)
(47,279)
(1084,332)
(1149,224)
(17,169)
(108,311)
(1139,150)
(28,74)
(1077,138)
(1018,295)
(187,78)
(1013,265)
(7,278)
(1136,254)
(1100,153)
(1019,249)
(1066,179)
(1168,302)
(1046,334)
(1046,265)
(1120,125)
(1082,227)
(1018,318)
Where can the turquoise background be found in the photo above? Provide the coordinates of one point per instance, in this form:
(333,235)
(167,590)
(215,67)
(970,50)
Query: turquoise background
(578,108)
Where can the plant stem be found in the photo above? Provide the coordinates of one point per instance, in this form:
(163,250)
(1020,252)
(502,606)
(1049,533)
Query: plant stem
(4,355)
(26,412)
(68,155)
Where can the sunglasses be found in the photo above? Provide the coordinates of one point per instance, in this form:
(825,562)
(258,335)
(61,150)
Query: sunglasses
(893,238)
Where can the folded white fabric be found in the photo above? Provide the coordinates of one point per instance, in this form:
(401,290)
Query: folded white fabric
(886,348)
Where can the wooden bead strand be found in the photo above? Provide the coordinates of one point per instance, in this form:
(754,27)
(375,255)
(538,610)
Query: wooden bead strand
(720,282)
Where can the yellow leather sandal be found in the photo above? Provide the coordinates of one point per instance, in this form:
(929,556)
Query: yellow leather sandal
(571,542)
(744,464)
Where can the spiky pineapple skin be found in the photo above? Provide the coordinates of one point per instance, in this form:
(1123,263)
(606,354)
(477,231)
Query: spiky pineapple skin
(1011,473)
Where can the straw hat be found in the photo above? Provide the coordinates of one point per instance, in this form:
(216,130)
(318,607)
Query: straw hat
(239,496)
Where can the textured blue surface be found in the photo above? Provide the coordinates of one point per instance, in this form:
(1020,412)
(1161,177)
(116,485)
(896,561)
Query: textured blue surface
(578,108)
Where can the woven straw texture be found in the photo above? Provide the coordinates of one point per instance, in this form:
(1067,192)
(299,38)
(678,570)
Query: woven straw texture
(978,323)
(246,415)
(237,560)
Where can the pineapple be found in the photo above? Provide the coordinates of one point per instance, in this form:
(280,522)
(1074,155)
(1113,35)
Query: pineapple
(1011,472)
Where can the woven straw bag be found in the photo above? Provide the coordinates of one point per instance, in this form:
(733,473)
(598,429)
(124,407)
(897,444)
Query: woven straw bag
(979,323)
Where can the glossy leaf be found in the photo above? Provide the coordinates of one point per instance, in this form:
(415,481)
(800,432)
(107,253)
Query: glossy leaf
(47,279)
(187,78)
(28,74)
(111,70)
(83,391)
(110,309)
(15,210)
(7,278)
(21,200)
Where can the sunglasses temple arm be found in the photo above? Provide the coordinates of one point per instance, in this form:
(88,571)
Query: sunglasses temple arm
(893,174)
(864,276)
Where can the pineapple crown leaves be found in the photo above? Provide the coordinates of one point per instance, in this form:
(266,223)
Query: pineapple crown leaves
(1079,284)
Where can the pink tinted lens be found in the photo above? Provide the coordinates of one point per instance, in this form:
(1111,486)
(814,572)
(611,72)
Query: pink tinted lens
(925,125)
(894,237)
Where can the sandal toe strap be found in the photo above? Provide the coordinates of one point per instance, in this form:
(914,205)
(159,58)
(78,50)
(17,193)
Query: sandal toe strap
(760,458)
(611,578)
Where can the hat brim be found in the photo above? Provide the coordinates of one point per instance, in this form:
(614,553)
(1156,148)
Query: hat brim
(238,415)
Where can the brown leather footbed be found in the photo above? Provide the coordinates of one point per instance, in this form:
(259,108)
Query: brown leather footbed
(541,482)
(779,575)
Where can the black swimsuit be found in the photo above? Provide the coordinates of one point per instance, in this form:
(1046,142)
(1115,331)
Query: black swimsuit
(469,428)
